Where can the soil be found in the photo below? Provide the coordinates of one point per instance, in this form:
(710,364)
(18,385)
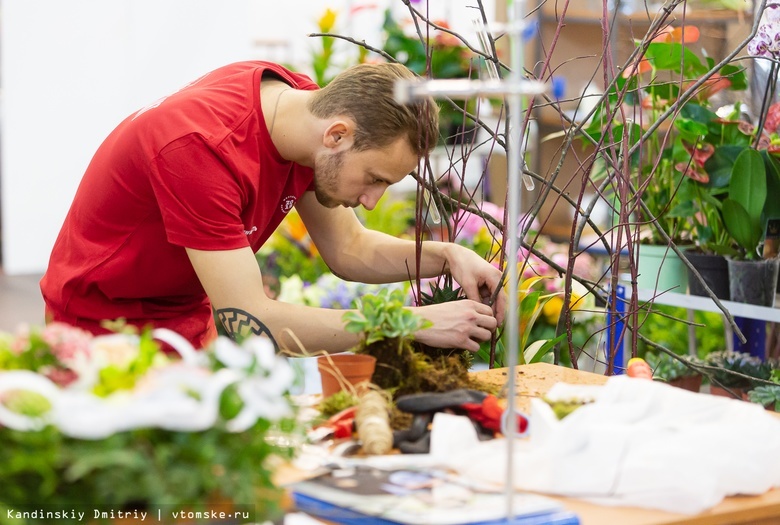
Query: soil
(404,367)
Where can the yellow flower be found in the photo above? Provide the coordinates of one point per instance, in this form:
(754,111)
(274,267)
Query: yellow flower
(327,21)
(552,309)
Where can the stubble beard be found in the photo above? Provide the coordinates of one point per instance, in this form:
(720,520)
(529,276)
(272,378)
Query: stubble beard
(326,179)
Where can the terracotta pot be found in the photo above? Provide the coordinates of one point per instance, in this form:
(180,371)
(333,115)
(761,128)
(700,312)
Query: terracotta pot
(691,383)
(340,370)
(741,393)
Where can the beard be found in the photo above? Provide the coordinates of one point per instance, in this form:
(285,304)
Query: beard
(326,178)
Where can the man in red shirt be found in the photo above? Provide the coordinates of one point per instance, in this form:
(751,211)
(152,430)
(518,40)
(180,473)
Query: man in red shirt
(180,196)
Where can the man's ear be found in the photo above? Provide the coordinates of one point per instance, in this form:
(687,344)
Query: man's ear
(339,135)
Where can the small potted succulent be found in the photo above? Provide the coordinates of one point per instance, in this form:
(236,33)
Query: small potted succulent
(733,373)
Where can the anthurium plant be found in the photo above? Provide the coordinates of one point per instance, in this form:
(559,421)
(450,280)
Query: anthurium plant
(640,97)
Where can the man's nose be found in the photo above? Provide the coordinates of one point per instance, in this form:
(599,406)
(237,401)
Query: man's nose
(371,197)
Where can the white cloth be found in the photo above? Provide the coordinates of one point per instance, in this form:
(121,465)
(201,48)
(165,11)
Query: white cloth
(640,443)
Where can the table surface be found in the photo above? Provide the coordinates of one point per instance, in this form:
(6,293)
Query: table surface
(536,379)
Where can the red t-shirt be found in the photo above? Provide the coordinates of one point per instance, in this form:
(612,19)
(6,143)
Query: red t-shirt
(195,169)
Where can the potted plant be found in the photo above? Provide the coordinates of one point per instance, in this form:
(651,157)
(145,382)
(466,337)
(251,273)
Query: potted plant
(679,371)
(767,396)
(752,279)
(112,422)
(405,366)
(646,92)
(732,374)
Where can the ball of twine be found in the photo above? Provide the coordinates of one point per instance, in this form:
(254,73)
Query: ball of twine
(373,423)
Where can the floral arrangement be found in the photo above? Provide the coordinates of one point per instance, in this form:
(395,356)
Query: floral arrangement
(116,422)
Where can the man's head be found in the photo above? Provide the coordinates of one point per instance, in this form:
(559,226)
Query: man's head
(371,141)
(365,94)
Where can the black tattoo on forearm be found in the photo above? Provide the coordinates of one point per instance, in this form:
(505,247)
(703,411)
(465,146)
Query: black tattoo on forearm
(239,324)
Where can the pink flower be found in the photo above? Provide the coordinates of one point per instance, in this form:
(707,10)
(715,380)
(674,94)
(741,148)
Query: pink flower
(61,376)
(66,341)
(469,224)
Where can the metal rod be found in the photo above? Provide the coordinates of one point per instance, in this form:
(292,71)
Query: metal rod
(514,89)
(515,147)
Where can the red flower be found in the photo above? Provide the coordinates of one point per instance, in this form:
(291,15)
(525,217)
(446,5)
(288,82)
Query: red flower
(700,154)
(773,118)
(693,171)
(712,85)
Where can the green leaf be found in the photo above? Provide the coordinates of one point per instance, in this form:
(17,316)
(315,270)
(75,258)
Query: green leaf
(740,227)
(538,350)
(720,165)
(772,206)
(748,184)
(736,75)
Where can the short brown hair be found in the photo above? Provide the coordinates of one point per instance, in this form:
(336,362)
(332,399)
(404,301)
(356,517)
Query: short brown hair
(365,93)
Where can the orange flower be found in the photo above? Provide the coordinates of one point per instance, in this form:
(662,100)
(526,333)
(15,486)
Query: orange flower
(637,68)
(711,86)
(443,38)
(654,103)
(296,227)
(681,35)
(669,34)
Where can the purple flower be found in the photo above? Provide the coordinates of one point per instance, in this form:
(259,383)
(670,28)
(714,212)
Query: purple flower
(766,43)
(338,297)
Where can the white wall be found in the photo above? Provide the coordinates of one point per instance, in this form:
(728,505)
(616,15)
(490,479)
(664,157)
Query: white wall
(70,70)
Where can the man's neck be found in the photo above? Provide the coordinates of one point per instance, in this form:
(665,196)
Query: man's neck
(292,128)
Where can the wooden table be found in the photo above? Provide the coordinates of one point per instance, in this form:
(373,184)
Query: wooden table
(534,380)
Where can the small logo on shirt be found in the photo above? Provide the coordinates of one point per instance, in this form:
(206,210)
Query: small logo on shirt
(287,204)
(251,231)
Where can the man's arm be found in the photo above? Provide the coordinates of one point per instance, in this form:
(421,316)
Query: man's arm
(234,284)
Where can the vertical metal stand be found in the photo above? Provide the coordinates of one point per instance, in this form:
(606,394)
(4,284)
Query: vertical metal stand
(514,89)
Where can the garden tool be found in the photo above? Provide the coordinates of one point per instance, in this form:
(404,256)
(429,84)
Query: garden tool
(484,410)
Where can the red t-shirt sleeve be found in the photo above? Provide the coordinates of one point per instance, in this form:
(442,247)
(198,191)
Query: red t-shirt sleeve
(199,199)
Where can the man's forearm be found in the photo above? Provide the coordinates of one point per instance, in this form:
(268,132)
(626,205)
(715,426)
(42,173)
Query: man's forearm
(382,258)
(295,328)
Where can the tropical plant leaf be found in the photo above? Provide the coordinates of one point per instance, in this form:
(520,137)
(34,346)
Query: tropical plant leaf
(748,184)
(740,227)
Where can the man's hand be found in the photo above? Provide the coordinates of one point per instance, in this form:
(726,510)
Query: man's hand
(477,277)
(457,324)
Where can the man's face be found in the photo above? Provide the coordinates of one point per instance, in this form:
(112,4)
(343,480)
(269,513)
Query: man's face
(349,178)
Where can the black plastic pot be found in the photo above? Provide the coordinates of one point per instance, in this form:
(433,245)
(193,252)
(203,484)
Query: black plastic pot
(714,270)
